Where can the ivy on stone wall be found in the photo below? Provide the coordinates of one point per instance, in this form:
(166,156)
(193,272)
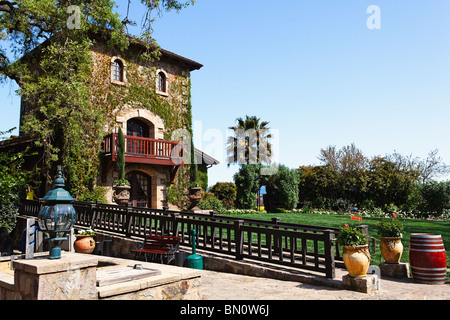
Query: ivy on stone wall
(71,123)
(68,93)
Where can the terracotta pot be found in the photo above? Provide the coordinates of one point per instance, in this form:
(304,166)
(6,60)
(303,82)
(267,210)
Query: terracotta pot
(84,244)
(356,260)
(391,249)
(122,195)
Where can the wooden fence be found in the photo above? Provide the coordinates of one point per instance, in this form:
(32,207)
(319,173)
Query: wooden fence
(301,246)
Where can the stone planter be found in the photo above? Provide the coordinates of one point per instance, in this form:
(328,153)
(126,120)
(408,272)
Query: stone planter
(391,249)
(84,244)
(122,195)
(195,195)
(356,260)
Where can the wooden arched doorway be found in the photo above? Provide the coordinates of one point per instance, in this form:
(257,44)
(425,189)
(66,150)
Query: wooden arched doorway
(141,189)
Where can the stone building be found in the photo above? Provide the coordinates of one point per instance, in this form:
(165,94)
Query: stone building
(156,107)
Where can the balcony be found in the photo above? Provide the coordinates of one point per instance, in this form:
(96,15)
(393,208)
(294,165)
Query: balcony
(145,150)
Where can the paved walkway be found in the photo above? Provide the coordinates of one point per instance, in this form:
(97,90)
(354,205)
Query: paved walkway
(227,286)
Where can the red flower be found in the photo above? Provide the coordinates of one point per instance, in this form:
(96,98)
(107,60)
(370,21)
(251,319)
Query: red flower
(395,215)
(360,218)
(346,225)
(352,217)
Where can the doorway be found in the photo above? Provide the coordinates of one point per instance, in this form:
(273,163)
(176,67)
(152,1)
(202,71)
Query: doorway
(141,189)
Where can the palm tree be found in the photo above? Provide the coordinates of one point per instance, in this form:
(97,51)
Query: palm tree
(250,142)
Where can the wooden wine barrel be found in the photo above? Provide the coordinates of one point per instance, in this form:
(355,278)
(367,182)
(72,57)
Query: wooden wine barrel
(427,258)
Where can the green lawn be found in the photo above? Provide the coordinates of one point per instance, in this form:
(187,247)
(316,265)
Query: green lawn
(337,220)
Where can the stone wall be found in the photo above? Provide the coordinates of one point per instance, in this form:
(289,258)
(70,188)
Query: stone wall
(71,277)
(188,289)
(138,98)
(74,277)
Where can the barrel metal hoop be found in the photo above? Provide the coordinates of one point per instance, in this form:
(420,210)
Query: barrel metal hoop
(427,250)
(431,269)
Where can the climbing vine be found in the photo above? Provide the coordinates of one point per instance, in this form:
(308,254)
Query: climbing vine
(71,123)
(140,92)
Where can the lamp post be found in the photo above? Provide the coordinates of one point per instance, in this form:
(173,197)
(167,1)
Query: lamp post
(57,216)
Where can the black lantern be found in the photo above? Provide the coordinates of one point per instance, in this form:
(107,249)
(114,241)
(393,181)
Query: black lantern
(57,215)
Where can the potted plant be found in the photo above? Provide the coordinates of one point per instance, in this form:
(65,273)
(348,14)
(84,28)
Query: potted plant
(122,185)
(195,191)
(355,253)
(84,242)
(390,232)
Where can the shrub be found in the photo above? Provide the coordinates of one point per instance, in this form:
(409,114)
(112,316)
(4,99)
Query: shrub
(210,202)
(97,194)
(436,197)
(391,208)
(282,189)
(225,192)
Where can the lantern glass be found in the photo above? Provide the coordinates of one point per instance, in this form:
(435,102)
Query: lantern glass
(42,218)
(65,216)
(57,218)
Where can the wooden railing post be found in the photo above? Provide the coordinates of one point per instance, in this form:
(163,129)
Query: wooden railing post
(239,239)
(330,269)
(165,229)
(276,238)
(129,219)
(175,227)
(113,144)
(92,213)
(212,214)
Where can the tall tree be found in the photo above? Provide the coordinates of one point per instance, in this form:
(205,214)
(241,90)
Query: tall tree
(348,158)
(428,169)
(250,143)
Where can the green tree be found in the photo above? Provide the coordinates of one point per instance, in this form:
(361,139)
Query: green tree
(350,164)
(348,177)
(250,143)
(247,181)
(388,184)
(427,169)
(347,159)
(319,186)
(436,197)
(13,180)
(120,163)
(282,189)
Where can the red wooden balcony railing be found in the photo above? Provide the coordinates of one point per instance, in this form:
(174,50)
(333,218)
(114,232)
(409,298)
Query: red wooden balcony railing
(145,150)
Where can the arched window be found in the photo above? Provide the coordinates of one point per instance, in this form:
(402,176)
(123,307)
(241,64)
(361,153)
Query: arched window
(162,87)
(137,128)
(118,70)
